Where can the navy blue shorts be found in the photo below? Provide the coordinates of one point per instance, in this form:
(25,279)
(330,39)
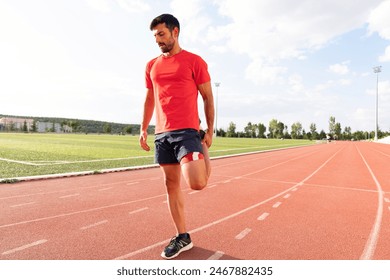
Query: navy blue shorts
(172,146)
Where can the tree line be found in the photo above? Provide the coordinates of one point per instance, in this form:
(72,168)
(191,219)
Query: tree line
(278,130)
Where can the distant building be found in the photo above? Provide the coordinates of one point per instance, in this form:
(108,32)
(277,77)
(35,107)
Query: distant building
(21,124)
(52,127)
(16,124)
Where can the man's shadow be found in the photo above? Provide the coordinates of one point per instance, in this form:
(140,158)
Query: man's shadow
(198,253)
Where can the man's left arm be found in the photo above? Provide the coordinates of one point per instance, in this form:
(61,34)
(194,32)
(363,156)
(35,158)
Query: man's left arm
(208,101)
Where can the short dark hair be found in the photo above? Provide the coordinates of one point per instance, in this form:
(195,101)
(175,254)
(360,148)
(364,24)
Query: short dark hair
(170,21)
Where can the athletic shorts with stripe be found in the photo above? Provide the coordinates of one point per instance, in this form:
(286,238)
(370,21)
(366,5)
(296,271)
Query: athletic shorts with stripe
(172,146)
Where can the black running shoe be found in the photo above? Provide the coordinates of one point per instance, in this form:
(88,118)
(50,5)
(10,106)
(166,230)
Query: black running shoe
(176,246)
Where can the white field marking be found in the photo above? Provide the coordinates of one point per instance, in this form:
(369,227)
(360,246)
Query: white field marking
(105,189)
(132,183)
(294,189)
(138,210)
(155,245)
(243,233)
(58,162)
(263,216)
(211,186)
(389,207)
(80,212)
(387,200)
(23,204)
(277,204)
(19,161)
(94,225)
(216,256)
(226,181)
(70,195)
(287,196)
(24,247)
(372,241)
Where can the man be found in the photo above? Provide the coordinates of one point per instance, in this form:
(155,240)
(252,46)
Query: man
(173,81)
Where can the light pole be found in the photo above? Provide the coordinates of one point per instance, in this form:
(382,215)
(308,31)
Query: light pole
(377,70)
(217,84)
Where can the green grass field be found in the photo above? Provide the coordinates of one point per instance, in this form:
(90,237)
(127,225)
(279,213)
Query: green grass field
(41,154)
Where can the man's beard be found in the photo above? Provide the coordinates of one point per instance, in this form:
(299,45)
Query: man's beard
(166,47)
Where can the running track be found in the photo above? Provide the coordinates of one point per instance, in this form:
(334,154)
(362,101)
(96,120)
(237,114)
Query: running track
(326,201)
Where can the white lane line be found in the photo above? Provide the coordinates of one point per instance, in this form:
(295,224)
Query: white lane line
(105,189)
(69,195)
(276,205)
(211,186)
(387,200)
(22,204)
(216,256)
(94,225)
(287,196)
(82,211)
(156,245)
(24,247)
(193,192)
(138,210)
(243,233)
(227,181)
(132,183)
(372,241)
(263,216)
(294,189)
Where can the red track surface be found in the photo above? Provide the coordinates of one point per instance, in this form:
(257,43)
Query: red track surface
(328,201)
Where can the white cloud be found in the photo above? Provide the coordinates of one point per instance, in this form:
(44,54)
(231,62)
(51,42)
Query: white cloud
(100,5)
(134,6)
(340,68)
(379,20)
(263,74)
(386,56)
(272,31)
(131,6)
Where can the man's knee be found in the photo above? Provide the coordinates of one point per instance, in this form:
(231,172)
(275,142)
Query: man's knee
(198,185)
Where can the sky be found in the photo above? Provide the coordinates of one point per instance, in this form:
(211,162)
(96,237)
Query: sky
(294,61)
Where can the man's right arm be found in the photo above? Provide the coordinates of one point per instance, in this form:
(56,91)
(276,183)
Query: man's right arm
(147,116)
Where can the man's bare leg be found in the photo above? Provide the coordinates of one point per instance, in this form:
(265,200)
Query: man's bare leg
(172,176)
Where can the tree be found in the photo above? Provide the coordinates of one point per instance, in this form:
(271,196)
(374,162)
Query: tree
(25,129)
(296,130)
(273,128)
(332,125)
(313,131)
(250,130)
(107,128)
(337,134)
(347,135)
(261,130)
(231,132)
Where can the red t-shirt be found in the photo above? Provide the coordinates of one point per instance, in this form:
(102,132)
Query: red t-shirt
(174,80)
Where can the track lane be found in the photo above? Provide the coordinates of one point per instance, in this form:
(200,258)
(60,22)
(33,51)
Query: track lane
(236,185)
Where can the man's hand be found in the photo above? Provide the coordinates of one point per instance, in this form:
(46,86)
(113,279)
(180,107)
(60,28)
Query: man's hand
(208,138)
(142,141)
